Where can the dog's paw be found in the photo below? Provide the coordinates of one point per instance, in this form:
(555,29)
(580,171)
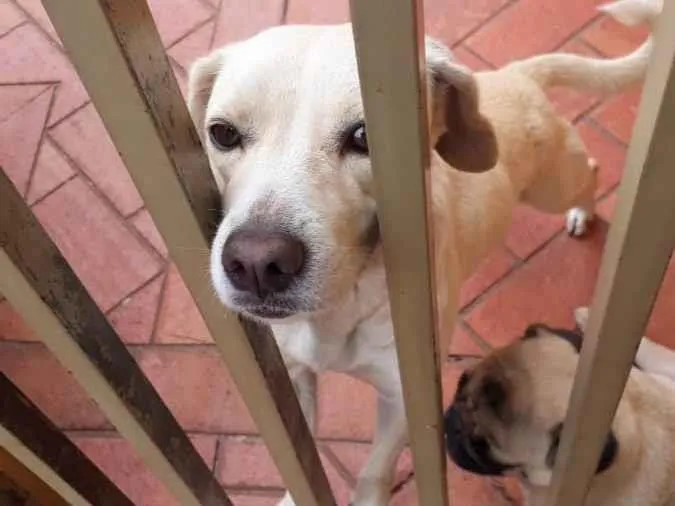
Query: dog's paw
(581,317)
(371,493)
(286,500)
(578,221)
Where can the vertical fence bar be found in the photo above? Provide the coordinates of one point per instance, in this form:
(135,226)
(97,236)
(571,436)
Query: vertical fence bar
(44,290)
(38,444)
(389,38)
(132,85)
(640,243)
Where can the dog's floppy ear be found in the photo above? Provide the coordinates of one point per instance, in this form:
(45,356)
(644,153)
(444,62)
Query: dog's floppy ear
(468,142)
(607,458)
(539,329)
(202,75)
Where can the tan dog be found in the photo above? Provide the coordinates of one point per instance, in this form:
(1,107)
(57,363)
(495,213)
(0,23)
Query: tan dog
(508,412)
(282,122)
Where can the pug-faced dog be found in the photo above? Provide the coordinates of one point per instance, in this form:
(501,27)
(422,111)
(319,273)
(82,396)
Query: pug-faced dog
(509,408)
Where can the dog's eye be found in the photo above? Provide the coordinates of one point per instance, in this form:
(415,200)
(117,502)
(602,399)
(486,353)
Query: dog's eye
(357,140)
(224,136)
(493,395)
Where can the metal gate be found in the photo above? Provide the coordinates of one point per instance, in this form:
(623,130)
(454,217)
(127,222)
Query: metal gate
(132,85)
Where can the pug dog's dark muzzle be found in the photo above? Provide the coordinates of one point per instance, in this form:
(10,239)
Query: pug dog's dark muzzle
(468,452)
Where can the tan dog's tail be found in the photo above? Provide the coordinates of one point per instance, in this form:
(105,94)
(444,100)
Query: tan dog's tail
(594,74)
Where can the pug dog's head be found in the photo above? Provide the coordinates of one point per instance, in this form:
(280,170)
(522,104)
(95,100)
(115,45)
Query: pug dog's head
(509,409)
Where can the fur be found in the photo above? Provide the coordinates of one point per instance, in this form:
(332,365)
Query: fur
(293,94)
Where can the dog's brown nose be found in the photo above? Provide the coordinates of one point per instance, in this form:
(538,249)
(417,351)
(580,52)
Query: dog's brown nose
(262,262)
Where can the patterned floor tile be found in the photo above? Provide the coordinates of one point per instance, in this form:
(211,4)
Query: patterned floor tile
(546,289)
(197,44)
(20,137)
(489,271)
(351,457)
(51,170)
(195,385)
(179,320)
(466,57)
(612,38)
(618,113)
(107,257)
(146,226)
(498,41)
(15,96)
(245,462)
(134,318)
(37,12)
(240,20)
(302,12)
(28,56)
(84,138)
(118,460)
(12,326)
(346,408)
(177,18)
(531,229)
(10,16)
(255,498)
(463,343)
(35,371)
(450,22)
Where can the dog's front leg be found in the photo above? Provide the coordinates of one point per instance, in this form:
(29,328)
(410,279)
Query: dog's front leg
(304,383)
(375,481)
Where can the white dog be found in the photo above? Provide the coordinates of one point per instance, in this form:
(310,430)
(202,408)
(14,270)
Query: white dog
(282,122)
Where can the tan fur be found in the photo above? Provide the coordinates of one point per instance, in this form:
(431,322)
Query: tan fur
(293,92)
(537,375)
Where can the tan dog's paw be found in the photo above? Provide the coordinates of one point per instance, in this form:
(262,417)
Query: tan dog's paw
(579,218)
(577,222)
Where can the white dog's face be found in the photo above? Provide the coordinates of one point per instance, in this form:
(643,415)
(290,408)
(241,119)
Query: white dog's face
(281,118)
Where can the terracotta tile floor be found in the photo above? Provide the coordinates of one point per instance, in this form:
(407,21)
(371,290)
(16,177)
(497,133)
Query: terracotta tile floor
(54,147)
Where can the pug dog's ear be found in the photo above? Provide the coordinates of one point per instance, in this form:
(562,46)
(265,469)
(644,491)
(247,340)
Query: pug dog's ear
(609,452)
(468,141)
(539,329)
(607,458)
(201,78)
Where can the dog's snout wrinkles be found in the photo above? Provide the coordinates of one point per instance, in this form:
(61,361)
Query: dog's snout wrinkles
(262,262)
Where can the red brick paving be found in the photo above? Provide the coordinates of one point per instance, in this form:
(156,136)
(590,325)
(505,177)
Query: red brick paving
(56,150)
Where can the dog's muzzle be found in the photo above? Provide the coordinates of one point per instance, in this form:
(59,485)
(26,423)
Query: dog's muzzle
(470,453)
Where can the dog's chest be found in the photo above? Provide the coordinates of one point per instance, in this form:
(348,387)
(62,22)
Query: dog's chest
(342,340)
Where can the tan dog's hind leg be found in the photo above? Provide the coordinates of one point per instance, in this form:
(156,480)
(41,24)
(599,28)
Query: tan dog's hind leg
(579,217)
(566,180)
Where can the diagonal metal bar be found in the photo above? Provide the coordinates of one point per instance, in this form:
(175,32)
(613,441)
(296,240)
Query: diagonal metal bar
(132,85)
(44,290)
(38,444)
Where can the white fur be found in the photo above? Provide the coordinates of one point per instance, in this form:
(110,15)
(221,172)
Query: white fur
(292,91)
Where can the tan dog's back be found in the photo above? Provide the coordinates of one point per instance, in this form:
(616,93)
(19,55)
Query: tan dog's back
(542,160)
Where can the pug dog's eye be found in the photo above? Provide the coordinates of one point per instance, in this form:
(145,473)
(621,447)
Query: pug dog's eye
(356,140)
(493,395)
(224,136)
(463,381)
